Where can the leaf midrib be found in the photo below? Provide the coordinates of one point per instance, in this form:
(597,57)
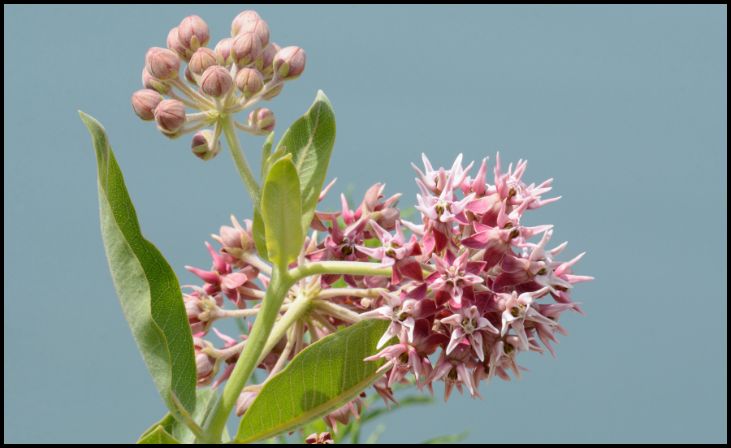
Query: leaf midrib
(314,412)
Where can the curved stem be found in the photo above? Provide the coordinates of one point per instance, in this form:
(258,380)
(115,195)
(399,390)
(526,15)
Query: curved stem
(192,127)
(249,358)
(295,312)
(283,356)
(241,165)
(245,103)
(192,94)
(249,129)
(184,416)
(257,262)
(184,100)
(337,311)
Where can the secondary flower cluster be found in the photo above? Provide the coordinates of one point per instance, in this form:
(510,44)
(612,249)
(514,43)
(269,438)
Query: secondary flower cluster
(235,75)
(470,286)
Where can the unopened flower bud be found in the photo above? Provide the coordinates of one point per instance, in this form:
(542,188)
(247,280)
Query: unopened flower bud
(203,366)
(289,62)
(388,217)
(144,103)
(236,240)
(245,244)
(203,145)
(231,237)
(246,49)
(250,21)
(243,20)
(249,81)
(170,116)
(175,45)
(223,51)
(197,317)
(192,308)
(193,32)
(201,60)
(267,56)
(246,398)
(150,82)
(216,81)
(262,119)
(162,63)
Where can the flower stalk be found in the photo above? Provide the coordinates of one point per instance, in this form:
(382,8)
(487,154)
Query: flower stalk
(247,176)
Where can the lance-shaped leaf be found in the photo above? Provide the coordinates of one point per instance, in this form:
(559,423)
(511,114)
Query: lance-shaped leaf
(310,140)
(267,158)
(281,210)
(147,287)
(321,378)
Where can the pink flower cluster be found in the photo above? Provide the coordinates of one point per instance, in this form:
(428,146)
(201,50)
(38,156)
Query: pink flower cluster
(470,288)
(238,73)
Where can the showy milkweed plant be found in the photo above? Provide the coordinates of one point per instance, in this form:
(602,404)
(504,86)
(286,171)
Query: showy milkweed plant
(330,303)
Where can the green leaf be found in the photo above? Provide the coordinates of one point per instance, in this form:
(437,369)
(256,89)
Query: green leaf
(158,436)
(205,401)
(168,423)
(310,140)
(147,287)
(281,209)
(451,438)
(260,236)
(321,378)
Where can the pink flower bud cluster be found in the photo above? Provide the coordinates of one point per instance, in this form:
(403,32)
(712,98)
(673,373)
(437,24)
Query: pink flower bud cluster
(471,287)
(238,72)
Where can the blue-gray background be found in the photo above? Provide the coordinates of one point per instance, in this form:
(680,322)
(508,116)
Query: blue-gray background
(624,106)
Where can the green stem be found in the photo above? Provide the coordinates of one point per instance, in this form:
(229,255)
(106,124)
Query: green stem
(337,311)
(192,94)
(238,155)
(296,311)
(340,267)
(354,292)
(184,416)
(248,360)
(264,334)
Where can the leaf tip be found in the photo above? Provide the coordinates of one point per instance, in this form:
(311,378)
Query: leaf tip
(89,121)
(322,97)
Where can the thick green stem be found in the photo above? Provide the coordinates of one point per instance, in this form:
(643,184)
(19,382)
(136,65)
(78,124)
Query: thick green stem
(238,155)
(296,311)
(249,358)
(264,334)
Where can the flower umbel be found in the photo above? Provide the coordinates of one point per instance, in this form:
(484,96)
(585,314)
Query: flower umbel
(469,282)
(247,60)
